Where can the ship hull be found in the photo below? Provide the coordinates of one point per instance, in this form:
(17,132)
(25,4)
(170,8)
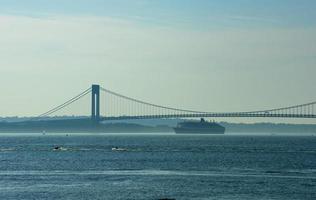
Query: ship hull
(179,130)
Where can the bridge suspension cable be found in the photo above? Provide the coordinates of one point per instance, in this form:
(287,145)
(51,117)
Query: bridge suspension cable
(297,111)
(149,104)
(65,104)
(118,106)
(308,105)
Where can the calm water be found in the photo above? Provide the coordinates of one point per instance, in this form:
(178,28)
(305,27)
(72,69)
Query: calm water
(157,166)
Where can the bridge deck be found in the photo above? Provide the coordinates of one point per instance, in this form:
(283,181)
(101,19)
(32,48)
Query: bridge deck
(219,115)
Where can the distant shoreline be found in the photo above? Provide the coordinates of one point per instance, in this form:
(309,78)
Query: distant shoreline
(142,126)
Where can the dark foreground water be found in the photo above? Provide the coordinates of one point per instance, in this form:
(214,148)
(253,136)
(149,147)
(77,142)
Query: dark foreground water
(157,167)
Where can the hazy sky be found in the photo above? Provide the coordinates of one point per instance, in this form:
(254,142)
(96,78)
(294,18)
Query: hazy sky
(234,55)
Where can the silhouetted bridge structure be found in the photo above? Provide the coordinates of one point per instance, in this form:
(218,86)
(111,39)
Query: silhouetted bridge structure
(120,107)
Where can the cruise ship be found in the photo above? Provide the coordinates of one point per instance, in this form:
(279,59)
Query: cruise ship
(199,127)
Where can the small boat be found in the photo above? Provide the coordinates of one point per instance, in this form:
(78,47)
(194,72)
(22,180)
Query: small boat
(118,149)
(58,148)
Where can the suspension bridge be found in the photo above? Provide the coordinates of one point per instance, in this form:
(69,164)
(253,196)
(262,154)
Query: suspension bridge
(121,107)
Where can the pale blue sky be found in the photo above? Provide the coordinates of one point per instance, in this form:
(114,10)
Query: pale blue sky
(235,55)
(205,13)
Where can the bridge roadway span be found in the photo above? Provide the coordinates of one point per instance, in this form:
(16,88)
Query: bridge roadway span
(220,115)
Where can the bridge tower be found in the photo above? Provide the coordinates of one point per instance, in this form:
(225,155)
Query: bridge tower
(95,102)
